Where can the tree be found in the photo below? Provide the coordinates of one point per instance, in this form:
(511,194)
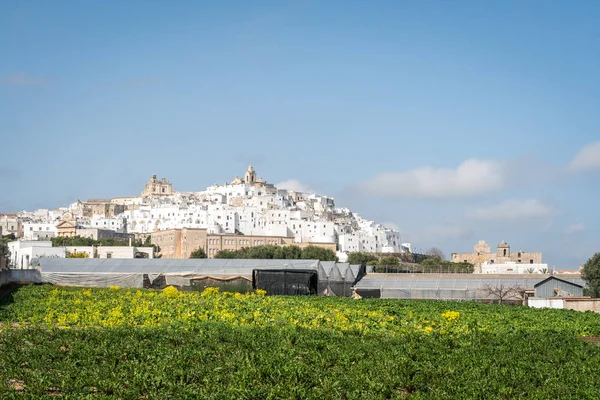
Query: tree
(198,253)
(389,260)
(361,258)
(318,253)
(288,253)
(436,252)
(530,270)
(263,252)
(226,254)
(4,251)
(590,273)
(502,291)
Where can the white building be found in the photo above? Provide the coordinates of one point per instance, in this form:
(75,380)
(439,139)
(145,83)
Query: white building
(246,205)
(23,251)
(39,230)
(514,268)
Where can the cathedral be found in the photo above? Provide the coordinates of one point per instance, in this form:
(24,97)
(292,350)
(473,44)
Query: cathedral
(156,187)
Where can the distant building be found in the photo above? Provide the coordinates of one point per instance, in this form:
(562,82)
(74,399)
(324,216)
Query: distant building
(180,243)
(126,252)
(514,268)
(67,227)
(10,224)
(99,234)
(156,187)
(22,252)
(482,254)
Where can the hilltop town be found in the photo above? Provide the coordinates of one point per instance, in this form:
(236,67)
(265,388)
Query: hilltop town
(244,212)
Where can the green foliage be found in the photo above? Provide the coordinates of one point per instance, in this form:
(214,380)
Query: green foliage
(591,275)
(372,263)
(389,260)
(201,348)
(318,253)
(78,254)
(60,241)
(271,252)
(4,251)
(226,254)
(198,253)
(362,258)
(288,253)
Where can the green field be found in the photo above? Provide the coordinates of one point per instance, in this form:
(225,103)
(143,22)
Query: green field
(135,344)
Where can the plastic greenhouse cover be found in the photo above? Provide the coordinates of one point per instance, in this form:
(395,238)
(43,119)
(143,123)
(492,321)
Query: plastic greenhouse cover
(167,266)
(452,281)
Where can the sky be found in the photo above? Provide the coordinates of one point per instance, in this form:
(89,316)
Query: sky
(451,120)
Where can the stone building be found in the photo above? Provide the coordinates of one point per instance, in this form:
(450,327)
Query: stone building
(10,224)
(251,179)
(67,227)
(156,187)
(482,254)
(180,243)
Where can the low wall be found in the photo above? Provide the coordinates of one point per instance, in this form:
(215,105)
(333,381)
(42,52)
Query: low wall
(5,277)
(21,276)
(583,305)
(545,303)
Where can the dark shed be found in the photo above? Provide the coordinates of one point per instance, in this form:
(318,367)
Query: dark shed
(556,287)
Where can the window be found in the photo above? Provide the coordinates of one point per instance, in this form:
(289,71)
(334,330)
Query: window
(504,252)
(519,261)
(531,261)
(519,254)
(465,261)
(108,255)
(31,228)
(492,261)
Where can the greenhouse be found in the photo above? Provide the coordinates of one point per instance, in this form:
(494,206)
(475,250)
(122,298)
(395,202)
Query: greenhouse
(449,286)
(303,276)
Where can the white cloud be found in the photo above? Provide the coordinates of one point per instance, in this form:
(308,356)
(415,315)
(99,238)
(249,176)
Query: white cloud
(575,228)
(470,178)
(588,158)
(511,210)
(21,79)
(294,185)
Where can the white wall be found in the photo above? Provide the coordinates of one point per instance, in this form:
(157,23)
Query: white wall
(22,257)
(512,268)
(31,230)
(536,302)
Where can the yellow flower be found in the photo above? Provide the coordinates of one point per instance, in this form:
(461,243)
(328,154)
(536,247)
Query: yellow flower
(113,288)
(261,292)
(427,329)
(170,292)
(451,315)
(210,291)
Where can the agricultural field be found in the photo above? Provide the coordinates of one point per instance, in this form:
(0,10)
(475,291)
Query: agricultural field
(141,344)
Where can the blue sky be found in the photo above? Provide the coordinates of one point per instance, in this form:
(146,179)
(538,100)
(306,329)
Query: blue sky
(453,120)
